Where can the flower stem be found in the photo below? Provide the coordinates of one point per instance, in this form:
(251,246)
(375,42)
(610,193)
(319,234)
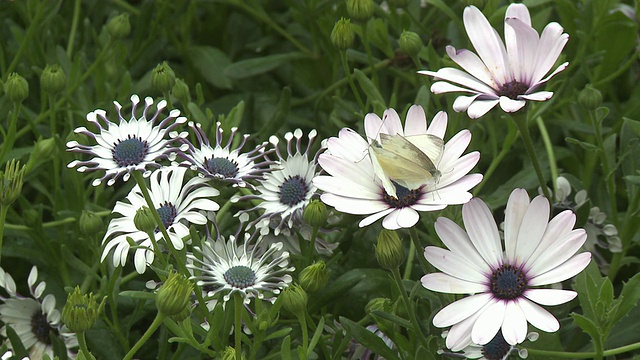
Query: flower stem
(305,333)
(347,71)
(606,167)
(410,310)
(409,265)
(521,122)
(419,250)
(7,145)
(3,215)
(553,167)
(152,328)
(506,147)
(83,344)
(584,355)
(237,324)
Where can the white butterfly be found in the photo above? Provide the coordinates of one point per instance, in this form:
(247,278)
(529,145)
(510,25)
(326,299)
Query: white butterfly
(406,160)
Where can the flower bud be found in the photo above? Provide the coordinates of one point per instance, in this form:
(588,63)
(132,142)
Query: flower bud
(119,26)
(294,300)
(16,88)
(181,92)
(360,10)
(53,79)
(380,304)
(11,182)
(81,311)
(389,251)
(174,295)
(144,221)
(182,315)
(590,97)
(342,34)
(230,354)
(163,78)
(314,277)
(316,214)
(410,43)
(90,223)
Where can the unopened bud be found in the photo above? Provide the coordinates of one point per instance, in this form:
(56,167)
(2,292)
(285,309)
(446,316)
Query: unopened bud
(314,277)
(144,220)
(590,97)
(90,223)
(119,26)
(16,88)
(81,311)
(389,250)
(174,295)
(316,214)
(53,79)
(294,300)
(342,34)
(11,182)
(181,92)
(410,43)
(360,10)
(163,78)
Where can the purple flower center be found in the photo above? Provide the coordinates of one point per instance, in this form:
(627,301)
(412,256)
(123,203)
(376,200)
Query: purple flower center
(508,282)
(131,151)
(240,276)
(168,213)
(405,197)
(41,328)
(513,89)
(293,190)
(221,166)
(497,348)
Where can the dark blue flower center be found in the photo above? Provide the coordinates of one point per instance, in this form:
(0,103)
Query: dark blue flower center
(131,151)
(41,328)
(508,282)
(293,190)
(404,197)
(221,166)
(513,89)
(240,276)
(497,348)
(168,213)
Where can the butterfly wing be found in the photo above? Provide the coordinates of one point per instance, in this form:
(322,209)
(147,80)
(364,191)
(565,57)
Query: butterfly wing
(430,145)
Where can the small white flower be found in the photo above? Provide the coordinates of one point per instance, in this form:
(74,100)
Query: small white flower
(353,186)
(178,205)
(223,266)
(33,318)
(134,144)
(509,73)
(505,283)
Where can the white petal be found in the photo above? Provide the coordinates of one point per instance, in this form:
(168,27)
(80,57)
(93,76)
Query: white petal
(457,240)
(441,282)
(454,264)
(489,322)
(550,297)
(534,223)
(514,325)
(563,272)
(416,121)
(510,105)
(538,316)
(483,231)
(514,213)
(480,107)
(460,310)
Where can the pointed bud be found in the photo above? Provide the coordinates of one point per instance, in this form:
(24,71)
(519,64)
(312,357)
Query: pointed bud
(119,26)
(316,214)
(180,91)
(144,221)
(230,354)
(590,97)
(389,251)
(294,300)
(11,182)
(163,78)
(342,34)
(174,295)
(380,304)
(90,223)
(53,79)
(410,43)
(81,311)
(314,277)
(360,10)
(16,88)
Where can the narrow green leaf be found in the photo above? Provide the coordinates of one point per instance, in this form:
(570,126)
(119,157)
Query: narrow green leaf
(368,339)
(316,336)
(370,90)
(76,263)
(285,348)
(16,344)
(582,144)
(141,295)
(629,298)
(211,63)
(259,65)
(278,334)
(393,318)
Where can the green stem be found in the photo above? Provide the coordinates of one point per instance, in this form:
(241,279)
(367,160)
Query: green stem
(367,48)
(49,224)
(550,154)
(7,145)
(305,333)
(521,122)
(584,355)
(74,27)
(34,23)
(152,328)
(410,309)
(237,324)
(83,344)
(410,257)
(3,215)
(419,250)
(606,167)
(347,71)
(506,147)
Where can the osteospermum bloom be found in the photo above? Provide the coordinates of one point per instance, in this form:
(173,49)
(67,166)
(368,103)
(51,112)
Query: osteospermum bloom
(221,162)
(506,75)
(251,270)
(134,144)
(33,318)
(178,205)
(505,282)
(353,186)
(287,189)
(496,349)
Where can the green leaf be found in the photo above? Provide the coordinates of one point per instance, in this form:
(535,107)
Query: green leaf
(586,325)
(76,263)
(629,298)
(211,63)
(634,125)
(316,336)
(16,344)
(584,145)
(370,90)
(368,339)
(279,115)
(141,295)
(393,318)
(278,334)
(259,65)
(285,348)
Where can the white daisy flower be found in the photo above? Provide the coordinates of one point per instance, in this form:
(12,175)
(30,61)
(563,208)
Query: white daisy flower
(218,161)
(130,145)
(224,266)
(496,349)
(33,318)
(178,205)
(354,186)
(288,188)
(506,75)
(505,283)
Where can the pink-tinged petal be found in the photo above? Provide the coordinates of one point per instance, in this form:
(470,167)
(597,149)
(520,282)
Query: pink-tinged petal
(353,205)
(462,78)
(455,171)
(538,316)
(401,218)
(348,145)
(537,96)
(457,240)
(563,272)
(558,228)
(551,43)
(550,297)
(391,123)
(520,12)
(451,285)
(438,126)
(487,44)
(427,207)
(514,213)
(510,105)
(416,121)
(459,335)
(532,228)
(372,126)
(462,103)
(514,325)
(342,187)
(455,265)
(483,231)
(535,86)
(556,253)
(481,107)
(347,170)
(521,40)
(472,64)
(461,309)
(489,322)
(455,147)
(375,217)
(461,186)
